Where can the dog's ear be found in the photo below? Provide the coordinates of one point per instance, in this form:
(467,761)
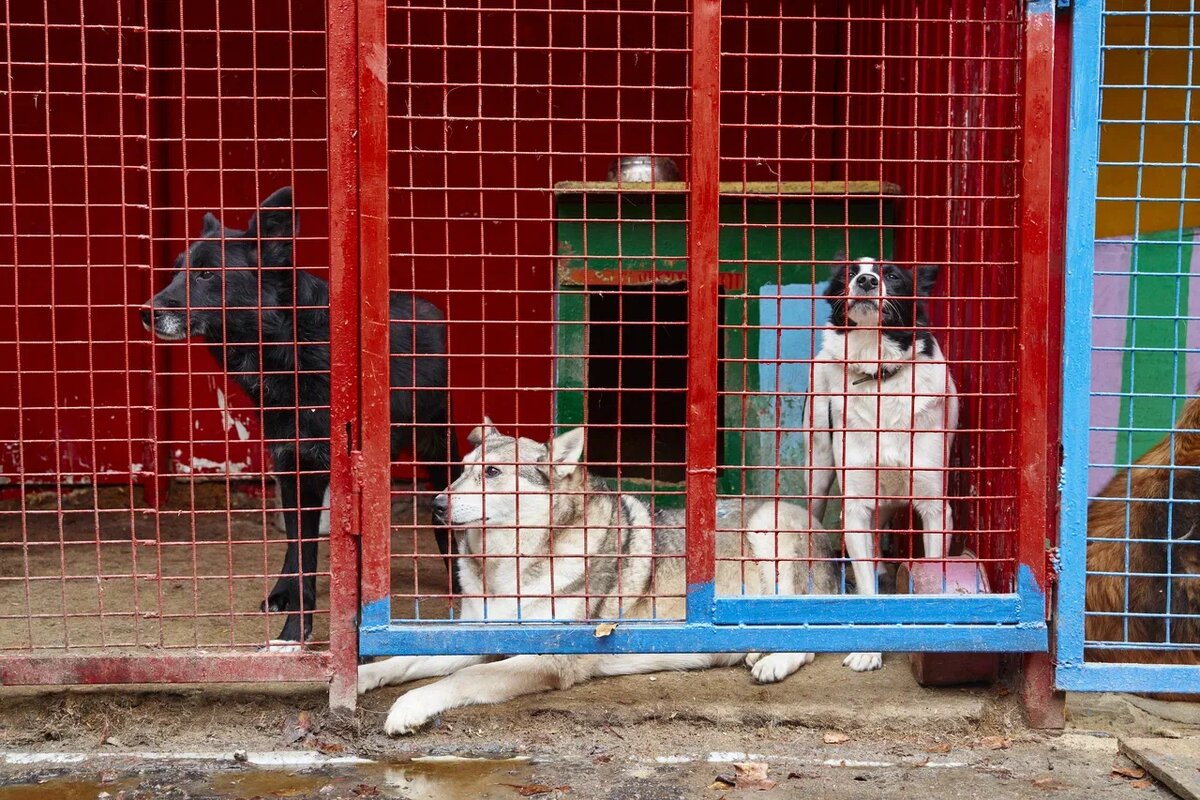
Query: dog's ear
(274,225)
(482,432)
(212,225)
(924,278)
(564,451)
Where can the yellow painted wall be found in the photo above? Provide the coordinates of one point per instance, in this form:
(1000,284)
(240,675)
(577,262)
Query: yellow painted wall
(1139,85)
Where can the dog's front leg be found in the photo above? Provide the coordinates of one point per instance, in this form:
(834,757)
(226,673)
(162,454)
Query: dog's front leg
(481,684)
(860,546)
(285,596)
(402,669)
(312,495)
(936,517)
(818,451)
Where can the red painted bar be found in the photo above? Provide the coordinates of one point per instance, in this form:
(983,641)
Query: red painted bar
(1045,707)
(704,200)
(374,480)
(1035,363)
(183,668)
(342,60)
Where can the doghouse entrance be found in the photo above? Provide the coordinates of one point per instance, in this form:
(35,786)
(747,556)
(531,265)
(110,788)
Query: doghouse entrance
(636,367)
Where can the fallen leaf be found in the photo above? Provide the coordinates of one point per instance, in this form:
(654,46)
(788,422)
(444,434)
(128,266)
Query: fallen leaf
(329,747)
(365,790)
(605,629)
(995,742)
(800,775)
(1049,783)
(835,737)
(297,727)
(1129,772)
(114,742)
(721,782)
(752,775)
(108,776)
(940,747)
(603,758)
(1142,784)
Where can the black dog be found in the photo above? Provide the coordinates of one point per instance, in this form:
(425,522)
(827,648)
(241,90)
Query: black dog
(267,324)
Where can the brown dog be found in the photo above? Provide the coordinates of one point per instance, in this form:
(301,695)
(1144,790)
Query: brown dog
(1115,603)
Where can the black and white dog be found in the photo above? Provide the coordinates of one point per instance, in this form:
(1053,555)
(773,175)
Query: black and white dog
(267,324)
(882,410)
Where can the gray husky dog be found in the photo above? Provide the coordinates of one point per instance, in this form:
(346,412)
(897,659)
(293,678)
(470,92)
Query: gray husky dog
(541,540)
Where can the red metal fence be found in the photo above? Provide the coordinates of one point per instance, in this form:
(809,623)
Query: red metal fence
(888,131)
(138,526)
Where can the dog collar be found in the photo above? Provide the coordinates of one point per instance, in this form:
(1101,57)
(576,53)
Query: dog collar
(883,374)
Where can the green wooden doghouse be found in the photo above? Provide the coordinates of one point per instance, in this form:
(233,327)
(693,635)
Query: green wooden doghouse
(622,252)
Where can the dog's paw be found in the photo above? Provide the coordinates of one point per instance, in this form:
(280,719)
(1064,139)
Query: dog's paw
(281,646)
(753,658)
(863,662)
(774,667)
(273,604)
(408,714)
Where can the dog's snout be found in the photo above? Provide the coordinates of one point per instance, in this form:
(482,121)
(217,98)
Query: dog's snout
(868,282)
(147,320)
(441,506)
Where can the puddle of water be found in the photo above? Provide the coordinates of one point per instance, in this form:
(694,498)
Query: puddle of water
(453,779)
(63,789)
(252,782)
(423,779)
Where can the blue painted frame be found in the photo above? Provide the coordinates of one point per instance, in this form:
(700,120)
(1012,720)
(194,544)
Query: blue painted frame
(899,623)
(1072,672)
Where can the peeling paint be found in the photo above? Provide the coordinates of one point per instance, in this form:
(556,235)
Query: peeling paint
(228,420)
(199,464)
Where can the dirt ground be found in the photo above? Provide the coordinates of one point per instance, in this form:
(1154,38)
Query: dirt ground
(89,569)
(824,733)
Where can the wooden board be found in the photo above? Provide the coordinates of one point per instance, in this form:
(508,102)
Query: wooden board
(1174,762)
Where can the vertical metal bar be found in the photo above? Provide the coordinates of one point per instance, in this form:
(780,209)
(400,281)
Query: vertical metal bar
(1044,707)
(342,70)
(1077,325)
(375,477)
(1033,280)
(703,235)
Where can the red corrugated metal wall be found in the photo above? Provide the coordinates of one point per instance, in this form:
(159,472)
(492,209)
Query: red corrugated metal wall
(214,135)
(219,105)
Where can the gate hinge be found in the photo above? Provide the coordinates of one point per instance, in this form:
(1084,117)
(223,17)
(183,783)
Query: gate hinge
(356,482)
